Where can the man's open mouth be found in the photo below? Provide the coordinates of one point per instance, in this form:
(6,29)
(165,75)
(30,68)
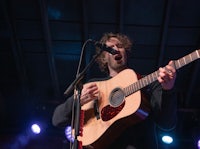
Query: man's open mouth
(118,57)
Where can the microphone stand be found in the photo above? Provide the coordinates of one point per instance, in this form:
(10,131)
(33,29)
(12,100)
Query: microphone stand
(77,85)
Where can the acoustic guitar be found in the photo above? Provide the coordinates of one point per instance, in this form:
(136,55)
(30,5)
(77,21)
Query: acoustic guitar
(120,100)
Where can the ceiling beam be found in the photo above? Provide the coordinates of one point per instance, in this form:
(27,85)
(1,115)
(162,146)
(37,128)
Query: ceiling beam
(16,47)
(121,16)
(85,33)
(164,31)
(48,43)
(87,54)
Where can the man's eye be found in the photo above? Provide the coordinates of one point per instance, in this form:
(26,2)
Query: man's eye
(119,45)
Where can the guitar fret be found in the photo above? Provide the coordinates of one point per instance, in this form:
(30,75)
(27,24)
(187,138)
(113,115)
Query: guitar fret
(136,86)
(178,65)
(152,77)
(184,60)
(142,82)
(148,78)
(131,89)
(190,57)
(197,52)
(127,91)
(139,83)
(145,81)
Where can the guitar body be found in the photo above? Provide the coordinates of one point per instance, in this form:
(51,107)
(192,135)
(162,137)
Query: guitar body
(98,132)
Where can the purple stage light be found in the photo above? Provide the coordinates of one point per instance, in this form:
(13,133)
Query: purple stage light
(68,133)
(35,128)
(198,144)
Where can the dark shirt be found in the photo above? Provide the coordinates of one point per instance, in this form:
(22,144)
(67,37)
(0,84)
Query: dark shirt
(140,135)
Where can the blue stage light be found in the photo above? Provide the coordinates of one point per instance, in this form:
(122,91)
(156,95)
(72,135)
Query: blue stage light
(167,139)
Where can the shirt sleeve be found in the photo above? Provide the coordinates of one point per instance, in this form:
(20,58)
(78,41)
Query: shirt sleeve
(164,106)
(62,113)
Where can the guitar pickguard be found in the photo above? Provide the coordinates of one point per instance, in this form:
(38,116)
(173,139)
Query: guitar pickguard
(108,112)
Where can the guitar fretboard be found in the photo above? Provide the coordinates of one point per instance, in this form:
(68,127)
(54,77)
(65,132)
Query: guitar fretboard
(187,59)
(153,76)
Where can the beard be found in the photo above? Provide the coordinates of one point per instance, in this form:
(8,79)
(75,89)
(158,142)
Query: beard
(117,65)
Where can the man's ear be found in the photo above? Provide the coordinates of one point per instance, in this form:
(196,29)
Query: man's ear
(104,59)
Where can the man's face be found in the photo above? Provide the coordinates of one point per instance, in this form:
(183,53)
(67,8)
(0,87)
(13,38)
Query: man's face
(116,62)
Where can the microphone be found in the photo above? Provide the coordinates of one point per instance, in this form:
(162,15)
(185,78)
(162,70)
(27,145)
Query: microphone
(104,47)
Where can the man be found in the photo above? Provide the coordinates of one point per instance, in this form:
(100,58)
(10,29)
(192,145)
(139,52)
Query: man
(161,100)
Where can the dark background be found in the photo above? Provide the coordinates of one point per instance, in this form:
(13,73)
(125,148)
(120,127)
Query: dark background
(40,46)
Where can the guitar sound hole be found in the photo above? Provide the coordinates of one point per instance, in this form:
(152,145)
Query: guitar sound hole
(116,97)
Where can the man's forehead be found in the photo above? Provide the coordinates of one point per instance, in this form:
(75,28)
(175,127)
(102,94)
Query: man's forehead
(114,40)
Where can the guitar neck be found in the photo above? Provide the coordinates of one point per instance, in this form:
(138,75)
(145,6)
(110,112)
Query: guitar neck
(153,76)
(187,59)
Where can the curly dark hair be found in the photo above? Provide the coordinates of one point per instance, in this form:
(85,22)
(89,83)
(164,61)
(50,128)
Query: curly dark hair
(126,44)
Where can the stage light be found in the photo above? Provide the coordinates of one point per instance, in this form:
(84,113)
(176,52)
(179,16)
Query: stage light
(167,139)
(35,128)
(198,144)
(68,133)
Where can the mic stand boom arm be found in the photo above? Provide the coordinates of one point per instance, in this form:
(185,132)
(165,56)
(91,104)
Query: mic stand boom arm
(77,84)
(81,75)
